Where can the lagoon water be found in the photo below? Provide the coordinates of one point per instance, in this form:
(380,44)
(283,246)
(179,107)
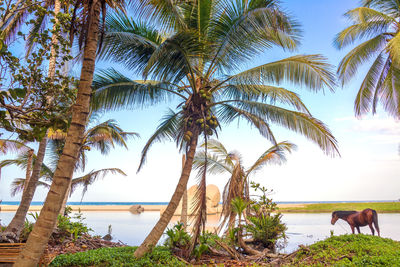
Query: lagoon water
(303,228)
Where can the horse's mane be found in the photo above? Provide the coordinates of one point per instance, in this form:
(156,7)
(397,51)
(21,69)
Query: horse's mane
(343,213)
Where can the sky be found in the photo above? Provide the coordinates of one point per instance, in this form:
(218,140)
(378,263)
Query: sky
(368,168)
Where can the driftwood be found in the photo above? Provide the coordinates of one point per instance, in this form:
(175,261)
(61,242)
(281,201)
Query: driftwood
(233,253)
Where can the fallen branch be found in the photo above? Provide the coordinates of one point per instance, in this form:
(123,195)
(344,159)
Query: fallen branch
(228,249)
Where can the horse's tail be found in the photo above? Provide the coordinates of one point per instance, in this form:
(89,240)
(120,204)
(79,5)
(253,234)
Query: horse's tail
(375,221)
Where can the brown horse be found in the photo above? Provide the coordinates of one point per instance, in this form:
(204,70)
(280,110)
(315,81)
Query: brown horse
(356,219)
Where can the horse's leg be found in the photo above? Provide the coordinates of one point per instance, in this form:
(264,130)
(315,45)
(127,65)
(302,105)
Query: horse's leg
(352,228)
(358,229)
(372,228)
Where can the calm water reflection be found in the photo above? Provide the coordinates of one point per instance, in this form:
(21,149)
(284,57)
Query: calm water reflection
(303,228)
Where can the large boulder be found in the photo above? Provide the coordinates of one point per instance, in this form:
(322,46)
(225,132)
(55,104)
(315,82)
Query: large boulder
(213,197)
(136,209)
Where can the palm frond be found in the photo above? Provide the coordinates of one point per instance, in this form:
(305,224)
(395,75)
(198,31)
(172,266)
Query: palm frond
(228,113)
(113,91)
(17,186)
(215,165)
(393,48)
(128,42)
(366,23)
(88,179)
(173,59)
(167,13)
(388,7)
(274,155)
(263,93)
(349,65)
(312,71)
(167,130)
(302,123)
(366,96)
(240,34)
(13,146)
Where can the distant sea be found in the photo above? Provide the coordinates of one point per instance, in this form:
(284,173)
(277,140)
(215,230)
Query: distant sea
(166,203)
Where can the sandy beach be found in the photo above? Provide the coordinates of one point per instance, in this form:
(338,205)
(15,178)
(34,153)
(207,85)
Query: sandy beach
(115,207)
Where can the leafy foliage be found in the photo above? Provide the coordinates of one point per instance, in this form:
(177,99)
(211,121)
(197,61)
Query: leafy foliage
(30,101)
(122,256)
(177,237)
(67,227)
(351,250)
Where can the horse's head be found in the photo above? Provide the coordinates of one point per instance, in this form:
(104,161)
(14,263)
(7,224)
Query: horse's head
(334,218)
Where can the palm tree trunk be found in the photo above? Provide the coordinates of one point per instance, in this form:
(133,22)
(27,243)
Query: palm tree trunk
(64,204)
(44,226)
(54,41)
(17,223)
(155,234)
(184,201)
(28,168)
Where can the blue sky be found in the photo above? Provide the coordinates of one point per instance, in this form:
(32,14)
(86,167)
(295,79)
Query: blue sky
(369,168)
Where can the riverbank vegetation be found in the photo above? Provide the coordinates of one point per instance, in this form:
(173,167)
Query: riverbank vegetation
(380,207)
(345,250)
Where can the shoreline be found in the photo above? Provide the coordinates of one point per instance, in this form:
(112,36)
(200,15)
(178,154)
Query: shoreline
(10,208)
(380,207)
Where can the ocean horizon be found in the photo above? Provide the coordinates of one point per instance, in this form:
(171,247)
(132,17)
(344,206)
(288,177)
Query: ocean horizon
(95,203)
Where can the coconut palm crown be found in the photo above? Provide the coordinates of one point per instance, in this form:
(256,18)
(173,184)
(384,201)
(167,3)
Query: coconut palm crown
(376,23)
(196,51)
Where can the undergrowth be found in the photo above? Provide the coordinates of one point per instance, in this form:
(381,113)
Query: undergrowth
(351,250)
(121,256)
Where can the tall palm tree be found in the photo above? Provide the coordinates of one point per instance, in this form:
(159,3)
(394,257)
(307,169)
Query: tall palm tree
(200,62)
(376,23)
(90,22)
(219,161)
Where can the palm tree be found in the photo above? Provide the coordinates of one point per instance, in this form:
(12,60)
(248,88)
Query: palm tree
(219,160)
(377,23)
(102,136)
(89,33)
(200,61)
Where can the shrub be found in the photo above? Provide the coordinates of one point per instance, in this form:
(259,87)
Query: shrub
(177,237)
(266,229)
(121,256)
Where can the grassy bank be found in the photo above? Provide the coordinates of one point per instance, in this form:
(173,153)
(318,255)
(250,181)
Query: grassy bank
(349,250)
(380,207)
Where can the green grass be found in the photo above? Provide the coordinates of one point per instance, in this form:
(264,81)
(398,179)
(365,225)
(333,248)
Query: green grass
(380,207)
(350,250)
(122,256)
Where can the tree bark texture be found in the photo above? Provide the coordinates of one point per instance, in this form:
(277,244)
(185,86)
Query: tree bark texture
(28,172)
(44,226)
(17,223)
(54,41)
(155,234)
(184,201)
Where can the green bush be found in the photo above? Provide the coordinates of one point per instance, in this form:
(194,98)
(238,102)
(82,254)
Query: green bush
(266,229)
(122,256)
(351,250)
(206,240)
(72,227)
(177,237)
